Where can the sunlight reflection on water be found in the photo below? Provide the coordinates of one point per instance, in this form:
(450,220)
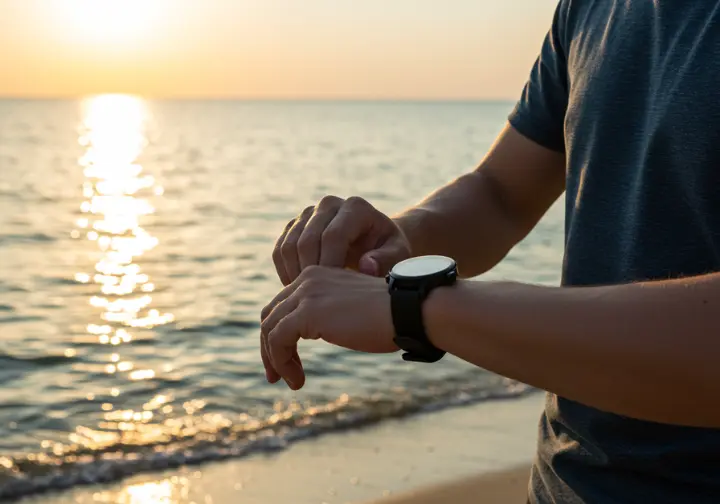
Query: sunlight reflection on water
(165,491)
(113,135)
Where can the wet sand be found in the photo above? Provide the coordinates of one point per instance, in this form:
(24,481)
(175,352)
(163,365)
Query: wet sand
(477,448)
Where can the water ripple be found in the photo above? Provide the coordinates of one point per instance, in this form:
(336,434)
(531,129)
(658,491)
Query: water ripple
(222,326)
(100,458)
(12,361)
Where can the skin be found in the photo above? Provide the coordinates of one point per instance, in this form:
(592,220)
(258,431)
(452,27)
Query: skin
(645,350)
(500,201)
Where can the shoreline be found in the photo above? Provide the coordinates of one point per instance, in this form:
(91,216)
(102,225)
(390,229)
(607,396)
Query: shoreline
(438,452)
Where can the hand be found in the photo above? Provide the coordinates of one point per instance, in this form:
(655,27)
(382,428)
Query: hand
(342,307)
(340,233)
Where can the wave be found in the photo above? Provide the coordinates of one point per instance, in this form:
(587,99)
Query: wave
(26,238)
(6,287)
(17,319)
(221,326)
(11,361)
(196,440)
(13,368)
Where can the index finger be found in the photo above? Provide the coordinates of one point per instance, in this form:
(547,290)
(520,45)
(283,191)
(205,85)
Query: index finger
(285,293)
(353,220)
(282,346)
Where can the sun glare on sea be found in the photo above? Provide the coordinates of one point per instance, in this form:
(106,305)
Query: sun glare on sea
(116,22)
(165,491)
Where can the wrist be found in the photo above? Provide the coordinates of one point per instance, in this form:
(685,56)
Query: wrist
(410,283)
(440,312)
(471,307)
(449,312)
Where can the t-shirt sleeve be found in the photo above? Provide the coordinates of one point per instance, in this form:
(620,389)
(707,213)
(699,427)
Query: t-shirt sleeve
(540,113)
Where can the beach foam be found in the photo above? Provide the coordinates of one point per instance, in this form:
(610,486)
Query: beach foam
(356,466)
(202,440)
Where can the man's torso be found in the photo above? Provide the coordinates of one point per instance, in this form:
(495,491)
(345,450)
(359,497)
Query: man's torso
(642,139)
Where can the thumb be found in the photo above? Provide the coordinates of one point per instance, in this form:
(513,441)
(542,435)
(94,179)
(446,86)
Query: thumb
(379,261)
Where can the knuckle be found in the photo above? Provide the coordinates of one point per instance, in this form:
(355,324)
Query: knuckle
(313,270)
(310,275)
(307,291)
(330,201)
(271,343)
(357,203)
(307,211)
(274,334)
(264,314)
(266,331)
(287,227)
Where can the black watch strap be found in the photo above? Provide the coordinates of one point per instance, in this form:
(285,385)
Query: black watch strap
(410,335)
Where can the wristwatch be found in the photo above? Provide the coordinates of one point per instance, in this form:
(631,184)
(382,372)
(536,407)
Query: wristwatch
(409,283)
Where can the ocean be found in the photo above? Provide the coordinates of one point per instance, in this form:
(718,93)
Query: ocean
(135,243)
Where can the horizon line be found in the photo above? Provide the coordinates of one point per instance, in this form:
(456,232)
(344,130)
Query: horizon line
(71,97)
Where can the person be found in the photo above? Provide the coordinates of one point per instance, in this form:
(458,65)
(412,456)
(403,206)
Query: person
(621,112)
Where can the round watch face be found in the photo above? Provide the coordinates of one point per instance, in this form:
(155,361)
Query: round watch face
(422,266)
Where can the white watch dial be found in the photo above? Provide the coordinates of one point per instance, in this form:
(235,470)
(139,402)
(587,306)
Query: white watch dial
(422,266)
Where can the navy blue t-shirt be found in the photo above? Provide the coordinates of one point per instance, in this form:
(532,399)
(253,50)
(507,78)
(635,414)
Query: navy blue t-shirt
(629,90)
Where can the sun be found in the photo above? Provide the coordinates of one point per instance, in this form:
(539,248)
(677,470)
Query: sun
(113,22)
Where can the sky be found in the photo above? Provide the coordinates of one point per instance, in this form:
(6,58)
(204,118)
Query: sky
(276,49)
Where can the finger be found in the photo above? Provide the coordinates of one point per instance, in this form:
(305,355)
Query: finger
(271,375)
(309,243)
(353,220)
(277,255)
(285,293)
(280,310)
(289,250)
(358,249)
(377,262)
(269,317)
(282,343)
(296,359)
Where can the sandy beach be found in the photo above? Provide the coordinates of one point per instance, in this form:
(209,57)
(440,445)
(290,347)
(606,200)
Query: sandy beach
(503,487)
(477,453)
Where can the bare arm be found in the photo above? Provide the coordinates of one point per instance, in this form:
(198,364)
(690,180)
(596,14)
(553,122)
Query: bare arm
(645,350)
(480,216)
(476,219)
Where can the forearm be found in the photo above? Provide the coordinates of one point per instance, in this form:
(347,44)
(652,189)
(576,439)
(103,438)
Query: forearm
(648,350)
(465,220)
(479,217)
